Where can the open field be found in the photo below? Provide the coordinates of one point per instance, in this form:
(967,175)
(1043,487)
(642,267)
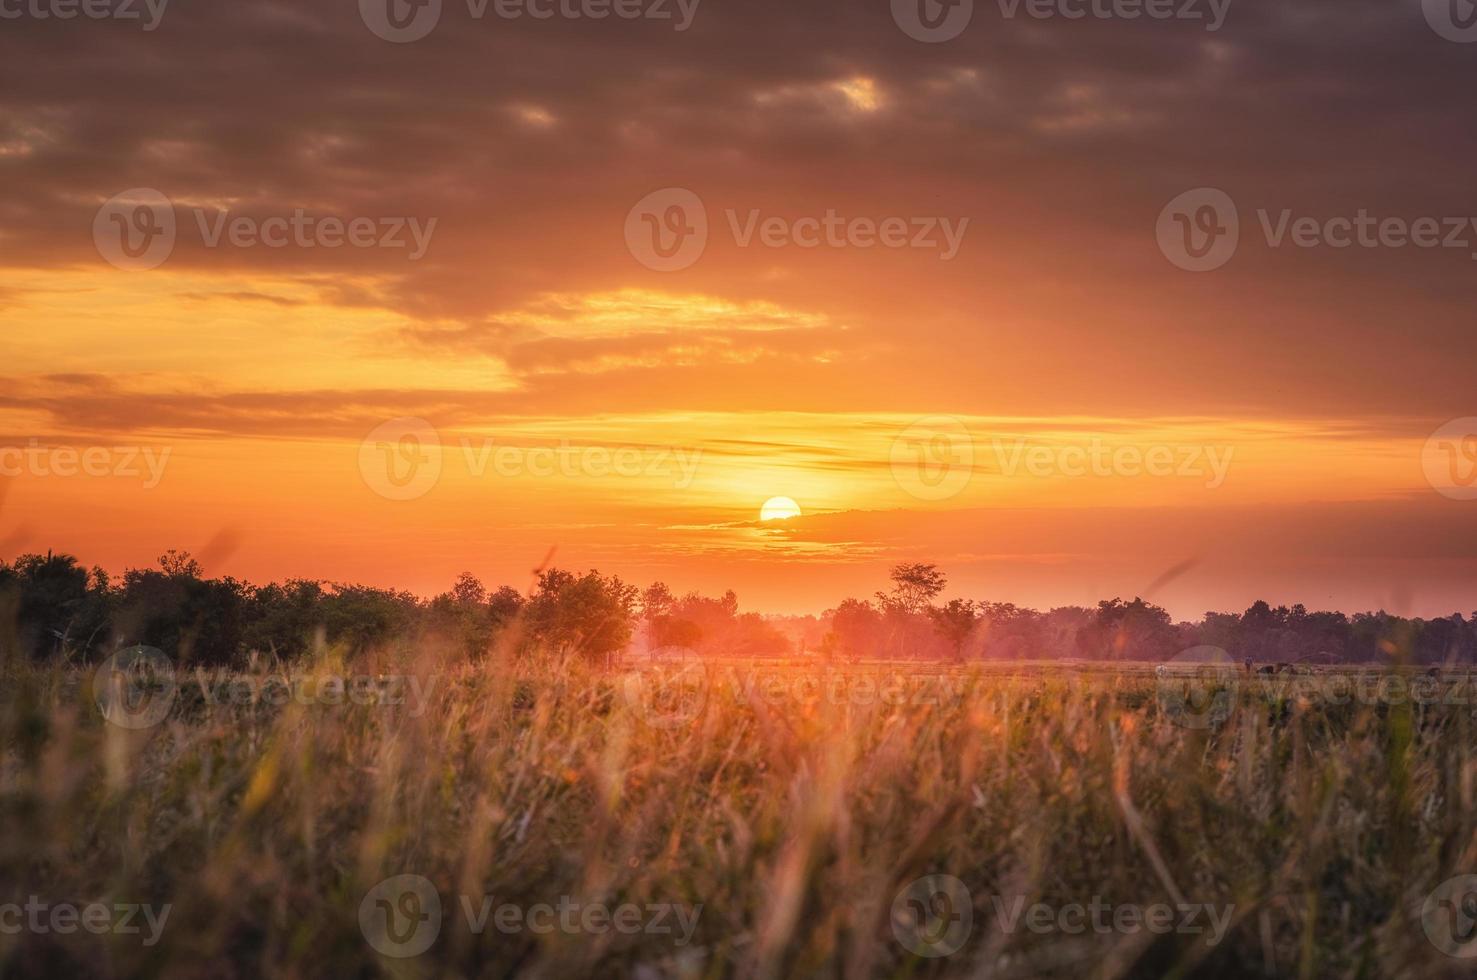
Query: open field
(736,819)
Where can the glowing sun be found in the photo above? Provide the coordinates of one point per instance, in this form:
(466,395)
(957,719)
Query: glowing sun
(779,509)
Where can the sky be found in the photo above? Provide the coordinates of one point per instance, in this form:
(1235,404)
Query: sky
(1075,307)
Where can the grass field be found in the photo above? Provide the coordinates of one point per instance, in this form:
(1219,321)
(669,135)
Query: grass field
(410,819)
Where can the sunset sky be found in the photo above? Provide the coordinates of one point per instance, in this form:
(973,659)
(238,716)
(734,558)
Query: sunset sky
(918,403)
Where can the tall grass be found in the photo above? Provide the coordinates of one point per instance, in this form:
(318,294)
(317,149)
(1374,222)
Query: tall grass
(792,814)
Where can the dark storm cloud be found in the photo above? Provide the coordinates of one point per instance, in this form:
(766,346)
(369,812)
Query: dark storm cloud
(283,105)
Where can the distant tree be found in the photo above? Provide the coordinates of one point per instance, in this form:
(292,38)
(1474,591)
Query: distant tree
(55,605)
(285,620)
(714,626)
(856,629)
(506,603)
(1136,630)
(1009,631)
(196,620)
(956,621)
(358,617)
(180,564)
(464,614)
(589,616)
(673,631)
(656,601)
(914,587)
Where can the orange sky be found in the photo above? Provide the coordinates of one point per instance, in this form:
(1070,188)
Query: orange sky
(1024,387)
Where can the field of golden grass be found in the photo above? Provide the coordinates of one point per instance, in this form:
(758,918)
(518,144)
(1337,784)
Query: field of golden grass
(411,818)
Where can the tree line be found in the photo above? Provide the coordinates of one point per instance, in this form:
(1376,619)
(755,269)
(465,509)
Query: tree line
(54,608)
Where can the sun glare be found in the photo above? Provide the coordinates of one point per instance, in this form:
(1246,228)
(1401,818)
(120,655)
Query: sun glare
(779,509)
